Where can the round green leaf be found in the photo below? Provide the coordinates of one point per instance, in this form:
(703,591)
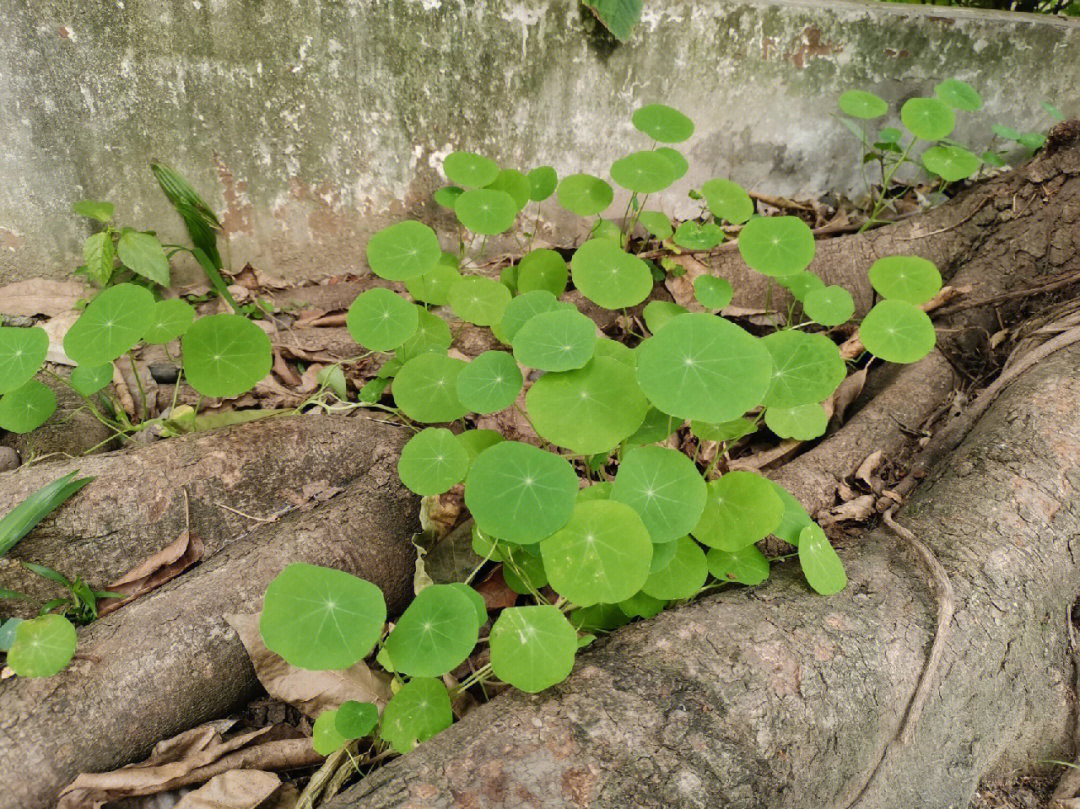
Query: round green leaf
(477,600)
(700,366)
(727,200)
(8,627)
(436,633)
(113,322)
(542,269)
(662,123)
(469,169)
(433,287)
(643,172)
(225,355)
(489,383)
(928,118)
(679,165)
(94,209)
(319,618)
(822,567)
(695,236)
(432,334)
(658,313)
(801,284)
(486,211)
(479,300)
(683,576)
(616,351)
(905,278)
(27,407)
(381,320)
(355,720)
(662,556)
(951,163)
(666,490)
(803,422)
(432,461)
(748,566)
(640,605)
(795,518)
(657,426)
(777,245)
(89,379)
(532,648)
(1006,132)
(728,431)
(656,223)
(830,306)
(806,368)
(171,318)
(521,310)
(325,737)
(403,251)
(584,194)
(447,196)
(416,713)
(601,556)
(542,182)
(426,388)
(476,441)
(993,159)
(514,183)
(22,351)
(897,331)
(555,341)
(864,105)
(522,570)
(520,493)
(609,277)
(959,94)
(589,410)
(597,491)
(712,292)
(741,509)
(42,647)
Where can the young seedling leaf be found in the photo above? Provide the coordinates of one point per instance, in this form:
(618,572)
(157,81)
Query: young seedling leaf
(741,509)
(225,355)
(514,183)
(777,245)
(959,94)
(520,493)
(479,300)
(42,647)
(532,648)
(822,567)
(470,170)
(561,340)
(94,209)
(403,251)
(416,713)
(433,287)
(863,105)
(694,236)
(22,351)
(905,278)
(143,254)
(802,422)
(27,407)
(712,292)
(683,576)
(656,223)
(610,277)
(662,123)
(435,634)
(748,566)
(589,410)
(381,320)
(489,383)
(602,555)
(897,331)
(928,118)
(807,368)
(584,194)
(951,163)
(727,200)
(542,269)
(318,618)
(643,172)
(426,388)
(355,720)
(521,310)
(666,490)
(829,306)
(447,196)
(486,211)
(325,737)
(171,318)
(89,379)
(114,321)
(658,313)
(703,367)
(21,520)
(542,182)
(99,254)
(432,461)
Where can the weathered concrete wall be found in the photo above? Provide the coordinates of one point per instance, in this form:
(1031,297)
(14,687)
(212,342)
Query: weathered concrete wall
(312,123)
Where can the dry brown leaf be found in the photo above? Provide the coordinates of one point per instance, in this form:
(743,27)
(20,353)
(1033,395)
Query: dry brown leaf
(845,492)
(163,566)
(847,392)
(759,460)
(866,469)
(193,757)
(284,371)
(322,344)
(309,381)
(235,789)
(681,287)
(857,510)
(40,296)
(440,513)
(311,692)
(57,328)
(495,592)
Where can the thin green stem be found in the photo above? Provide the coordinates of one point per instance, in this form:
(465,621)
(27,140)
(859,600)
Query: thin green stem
(477,676)
(880,204)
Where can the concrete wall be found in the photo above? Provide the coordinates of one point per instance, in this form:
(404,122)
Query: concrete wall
(311,123)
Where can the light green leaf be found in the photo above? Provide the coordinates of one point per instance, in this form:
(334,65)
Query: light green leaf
(89,379)
(381,320)
(403,251)
(486,211)
(905,278)
(695,236)
(662,123)
(355,720)
(170,319)
(959,94)
(643,172)
(727,200)
(489,383)
(521,310)
(609,277)
(748,566)
(666,490)
(426,388)
(470,170)
(806,368)
(143,254)
(514,183)
(435,634)
(741,509)
(542,183)
(479,300)
(802,422)
(27,407)
(777,245)
(433,287)
(325,737)
(830,306)
(683,576)
(432,461)
(99,254)
(22,351)
(532,648)
(561,340)
(114,321)
(584,194)
(951,163)
(658,313)
(800,284)
(542,269)
(897,331)
(712,292)
(928,118)
(42,647)
(94,209)
(21,520)
(656,223)
(416,713)
(225,355)
(863,105)
(618,16)
(822,567)
(675,159)
(447,196)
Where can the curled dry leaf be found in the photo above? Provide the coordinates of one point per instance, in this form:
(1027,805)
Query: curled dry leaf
(846,394)
(858,510)
(163,566)
(311,692)
(681,287)
(235,789)
(495,592)
(284,371)
(865,472)
(38,296)
(440,513)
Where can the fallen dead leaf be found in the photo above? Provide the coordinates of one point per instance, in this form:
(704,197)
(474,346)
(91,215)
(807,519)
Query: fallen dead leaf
(193,757)
(497,595)
(40,296)
(866,469)
(759,460)
(235,789)
(858,510)
(440,513)
(681,287)
(311,692)
(56,328)
(846,394)
(284,371)
(163,566)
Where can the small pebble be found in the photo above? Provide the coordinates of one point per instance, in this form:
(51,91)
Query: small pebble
(164,373)
(9,459)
